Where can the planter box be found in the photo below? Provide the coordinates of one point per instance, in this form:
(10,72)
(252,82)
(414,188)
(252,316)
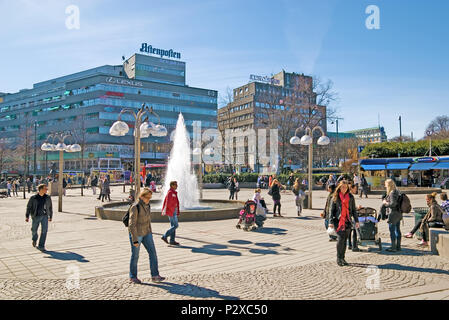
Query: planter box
(213,186)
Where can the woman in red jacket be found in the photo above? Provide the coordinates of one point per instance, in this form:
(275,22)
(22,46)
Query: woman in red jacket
(171,209)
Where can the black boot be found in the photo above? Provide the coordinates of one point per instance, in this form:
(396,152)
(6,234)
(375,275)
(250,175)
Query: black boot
(393,246)
(398,244)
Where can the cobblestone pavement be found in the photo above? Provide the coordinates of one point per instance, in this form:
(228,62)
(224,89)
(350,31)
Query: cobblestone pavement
(290,258)
(313,281)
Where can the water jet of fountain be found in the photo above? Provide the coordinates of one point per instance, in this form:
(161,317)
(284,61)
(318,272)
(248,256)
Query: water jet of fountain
(179,168)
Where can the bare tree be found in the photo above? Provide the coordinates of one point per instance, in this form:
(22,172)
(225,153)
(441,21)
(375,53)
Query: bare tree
(224,102)
(307,103)
(226,98)
(20,157)
(401,139)
(438,128)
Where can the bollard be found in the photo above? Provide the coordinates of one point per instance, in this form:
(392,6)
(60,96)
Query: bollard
(24,192)
(124,184)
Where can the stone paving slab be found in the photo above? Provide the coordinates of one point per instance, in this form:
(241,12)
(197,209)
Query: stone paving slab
(290,258)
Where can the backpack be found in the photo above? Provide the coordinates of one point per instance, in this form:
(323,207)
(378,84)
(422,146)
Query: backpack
(125,218)
(404,203)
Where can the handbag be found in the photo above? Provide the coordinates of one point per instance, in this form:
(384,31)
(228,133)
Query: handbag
(270,192)
(331,231)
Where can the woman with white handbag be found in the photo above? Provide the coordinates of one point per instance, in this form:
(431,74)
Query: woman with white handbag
(343,211)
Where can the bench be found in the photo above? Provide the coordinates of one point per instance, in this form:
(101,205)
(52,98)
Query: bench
(443,245)
(439,240)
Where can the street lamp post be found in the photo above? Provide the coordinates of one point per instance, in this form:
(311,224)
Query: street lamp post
(35,147)
(142,129)
(198,152)
(307,139)
(61,147)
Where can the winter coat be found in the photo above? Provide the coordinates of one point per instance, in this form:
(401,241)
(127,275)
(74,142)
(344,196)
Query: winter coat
(435,213)
(171,202)
(139,220)
(275,192)
(335,212)
(393,204)
(328,207)
(231,186)
(32,207)
(106,187)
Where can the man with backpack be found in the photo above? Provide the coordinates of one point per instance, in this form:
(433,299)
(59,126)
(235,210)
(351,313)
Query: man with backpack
(40,209)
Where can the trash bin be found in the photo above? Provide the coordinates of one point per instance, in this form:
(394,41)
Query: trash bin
(305,203)
(420,212)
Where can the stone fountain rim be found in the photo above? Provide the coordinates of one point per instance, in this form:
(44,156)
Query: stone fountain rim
(106,212)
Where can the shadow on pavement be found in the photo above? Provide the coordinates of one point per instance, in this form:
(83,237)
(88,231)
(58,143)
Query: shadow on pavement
(263,251)
(239,242)
(399,267)
(303,218)
(190,290)
(79,214)
(66,256)
(275,231)
(393,266)
(404,251)
(213,249)
(267,244)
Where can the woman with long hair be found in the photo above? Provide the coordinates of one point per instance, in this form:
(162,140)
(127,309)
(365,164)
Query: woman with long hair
(276,195)
(299,196)
(433,216)
(391,203)
(342,210)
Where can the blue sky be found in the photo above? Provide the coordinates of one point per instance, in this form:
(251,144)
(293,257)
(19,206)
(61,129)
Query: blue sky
(400,69)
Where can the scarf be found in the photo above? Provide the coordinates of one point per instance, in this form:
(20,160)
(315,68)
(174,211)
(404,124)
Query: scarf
(344,217)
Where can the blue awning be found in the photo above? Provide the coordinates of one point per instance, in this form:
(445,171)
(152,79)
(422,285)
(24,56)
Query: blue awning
(373,167)
(422,166)
(398,166)
(441,165)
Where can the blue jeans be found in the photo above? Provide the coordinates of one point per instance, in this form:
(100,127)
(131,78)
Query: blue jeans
(149,245)
(259,220)
(173,226)
(395,231)
(43,221)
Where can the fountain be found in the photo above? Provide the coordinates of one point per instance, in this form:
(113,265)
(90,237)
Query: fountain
(179,169)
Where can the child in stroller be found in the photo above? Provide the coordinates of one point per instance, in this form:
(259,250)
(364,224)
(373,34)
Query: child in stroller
(248,218)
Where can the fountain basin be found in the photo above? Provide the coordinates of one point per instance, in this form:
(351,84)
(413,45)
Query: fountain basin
(220,210)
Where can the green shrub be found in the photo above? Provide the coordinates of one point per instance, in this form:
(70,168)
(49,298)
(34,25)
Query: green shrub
(406,149)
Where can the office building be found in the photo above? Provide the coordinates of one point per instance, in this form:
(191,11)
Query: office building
(253,102)
(89,102)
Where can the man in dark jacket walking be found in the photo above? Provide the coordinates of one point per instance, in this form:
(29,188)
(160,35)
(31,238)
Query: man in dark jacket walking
(41,210)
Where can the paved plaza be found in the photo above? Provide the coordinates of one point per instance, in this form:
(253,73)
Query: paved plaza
(290,258)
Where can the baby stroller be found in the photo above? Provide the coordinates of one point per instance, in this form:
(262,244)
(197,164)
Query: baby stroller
(368,220)
(247,218)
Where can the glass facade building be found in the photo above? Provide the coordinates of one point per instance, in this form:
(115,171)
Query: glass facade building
(88,102)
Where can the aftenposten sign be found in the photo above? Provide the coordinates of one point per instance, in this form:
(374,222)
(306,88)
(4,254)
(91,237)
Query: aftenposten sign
(148,48)
(264,79)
